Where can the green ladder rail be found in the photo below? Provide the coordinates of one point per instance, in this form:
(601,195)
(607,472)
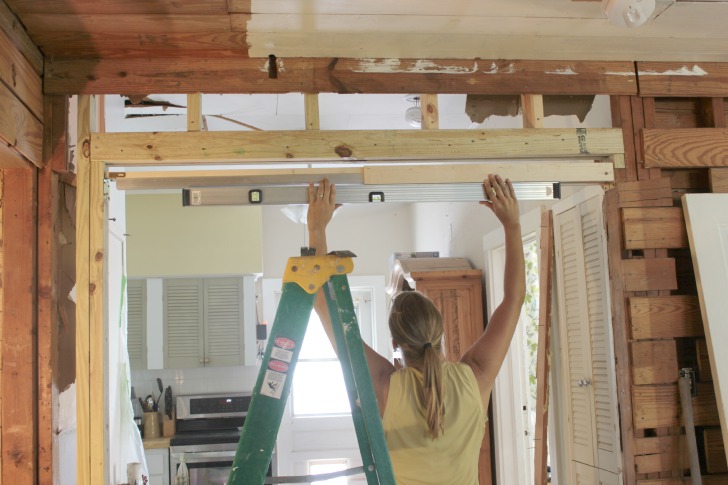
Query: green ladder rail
(303,278)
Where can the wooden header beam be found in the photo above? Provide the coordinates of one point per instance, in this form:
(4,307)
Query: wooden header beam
(337,75)
(687,79)
(184,148)
(564,172)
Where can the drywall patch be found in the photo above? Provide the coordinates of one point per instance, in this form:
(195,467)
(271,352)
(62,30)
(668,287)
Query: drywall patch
(494,69)
(391,66)
(683,71)
(568,71)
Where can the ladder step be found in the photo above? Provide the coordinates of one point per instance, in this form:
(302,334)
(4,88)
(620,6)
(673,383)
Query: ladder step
(315,478)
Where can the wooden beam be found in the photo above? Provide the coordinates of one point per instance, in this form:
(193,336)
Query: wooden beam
(566,172)
(18,75)
(654,227)
(20,131)
(83,329)
(645,193)
(674,316)
(194,112)
(337,75)
(311,107)
(712,112)
(19,435)
(543,356)
(48,264)
(236,147)
(13,28)
(685,148)
(661,454)
(718,180)
(620,331)
(532,107)
(657,406)
(658,79)
(649,274)
(654,362)
(205,7)
(715,456)
(430,112)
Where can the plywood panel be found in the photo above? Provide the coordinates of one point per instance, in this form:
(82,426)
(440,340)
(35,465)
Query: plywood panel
(685,148)
(665,317)
(657,406)
(654,362)
(654,227)
(649,274)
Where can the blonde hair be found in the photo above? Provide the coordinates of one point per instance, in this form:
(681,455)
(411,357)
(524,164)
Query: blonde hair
(416,325)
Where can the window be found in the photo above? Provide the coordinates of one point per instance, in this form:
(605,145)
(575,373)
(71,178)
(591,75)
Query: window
(318,387)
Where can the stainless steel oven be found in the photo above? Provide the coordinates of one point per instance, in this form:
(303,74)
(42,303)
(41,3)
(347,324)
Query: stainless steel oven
(208,431)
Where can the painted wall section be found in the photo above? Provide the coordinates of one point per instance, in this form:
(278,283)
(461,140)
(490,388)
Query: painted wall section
(166,239)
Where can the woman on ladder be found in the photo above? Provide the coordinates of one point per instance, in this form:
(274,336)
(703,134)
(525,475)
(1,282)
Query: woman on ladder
(433,411)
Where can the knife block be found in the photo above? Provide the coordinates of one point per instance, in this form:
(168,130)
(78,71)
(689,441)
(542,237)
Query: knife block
(168,424)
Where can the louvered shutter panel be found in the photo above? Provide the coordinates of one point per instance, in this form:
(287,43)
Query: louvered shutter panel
(224,321)
(603,386)
(136,324)
(571,296)
(183,322)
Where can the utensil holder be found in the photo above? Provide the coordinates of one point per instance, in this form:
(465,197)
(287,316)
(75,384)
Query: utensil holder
(151,425)
(168,425)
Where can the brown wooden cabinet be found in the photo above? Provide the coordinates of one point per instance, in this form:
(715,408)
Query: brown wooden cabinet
(456,289)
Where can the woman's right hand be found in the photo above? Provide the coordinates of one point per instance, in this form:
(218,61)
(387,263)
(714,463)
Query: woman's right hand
(501,199)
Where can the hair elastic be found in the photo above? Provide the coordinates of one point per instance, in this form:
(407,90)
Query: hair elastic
(428,345)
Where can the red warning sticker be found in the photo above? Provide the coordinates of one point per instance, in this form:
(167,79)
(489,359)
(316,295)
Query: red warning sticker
(285,343)
(278,366)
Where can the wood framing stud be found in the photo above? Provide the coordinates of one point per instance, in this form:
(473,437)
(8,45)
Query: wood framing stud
(430,112)
(532,107)
(311,105)
(194,112)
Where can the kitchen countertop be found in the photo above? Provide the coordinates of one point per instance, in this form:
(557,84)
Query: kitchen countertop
(155,443)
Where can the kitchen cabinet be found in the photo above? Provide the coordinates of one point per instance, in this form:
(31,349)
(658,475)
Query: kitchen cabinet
(586,356)
(457,292)
(205,321)
(158,466)
(191,322)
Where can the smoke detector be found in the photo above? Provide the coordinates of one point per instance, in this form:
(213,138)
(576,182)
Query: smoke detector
(628,13)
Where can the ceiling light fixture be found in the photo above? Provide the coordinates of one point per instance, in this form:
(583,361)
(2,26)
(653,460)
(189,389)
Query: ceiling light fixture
(628,13)
(413,115)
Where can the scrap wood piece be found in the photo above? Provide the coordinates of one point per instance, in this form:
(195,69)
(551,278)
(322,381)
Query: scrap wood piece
(685,148)
(543,359)
(645,193)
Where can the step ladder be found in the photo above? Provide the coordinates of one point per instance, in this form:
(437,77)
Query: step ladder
(303,277)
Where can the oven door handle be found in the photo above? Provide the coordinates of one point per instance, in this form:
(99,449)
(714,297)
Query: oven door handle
(199,456)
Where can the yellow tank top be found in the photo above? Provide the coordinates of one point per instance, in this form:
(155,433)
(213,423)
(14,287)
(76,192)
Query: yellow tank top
(451,459)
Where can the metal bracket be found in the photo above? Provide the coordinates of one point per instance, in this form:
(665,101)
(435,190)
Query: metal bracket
(689,374)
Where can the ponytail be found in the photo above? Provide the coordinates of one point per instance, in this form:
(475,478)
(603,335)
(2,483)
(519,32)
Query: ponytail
(432,390)
(416,325)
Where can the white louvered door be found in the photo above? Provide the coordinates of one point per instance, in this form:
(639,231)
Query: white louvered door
(183,316)
(136,338)
(223,329)
(588,361)
(571,297)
